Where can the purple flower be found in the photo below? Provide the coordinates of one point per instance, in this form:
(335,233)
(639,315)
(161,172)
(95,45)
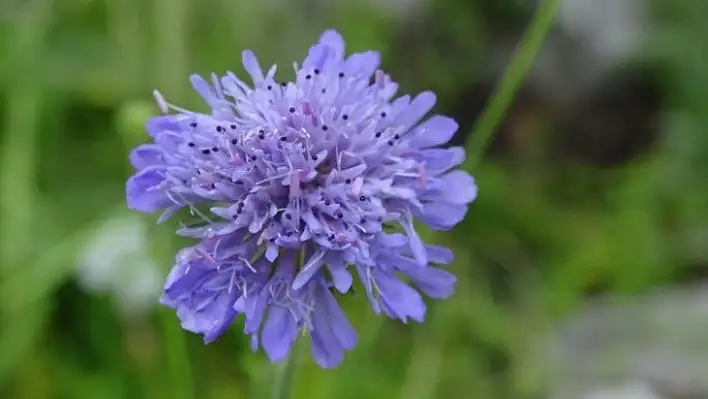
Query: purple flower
(296,187)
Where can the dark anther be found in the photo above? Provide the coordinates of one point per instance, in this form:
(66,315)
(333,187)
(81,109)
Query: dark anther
(283,138)
(308,77)
(379,219)
(233,126)
(345,117)
(331,236)
(383,114)
(340,215)
(270,87)
(348,181)
(234,141)
(193,124)
(341,74)
(289,233)
(396,136)
(314,157)
(234,217)
(206,151)
(378,134)
(292,109)
(239,210)
(324,91)
(191,144)
(253,157)
(328,202)
(390,142)
(362,198)
(261,135)
(215,149)
(317,71)
(220,129)
(345,225)
(325,127)
(362,220)
(283,84)
(288,216)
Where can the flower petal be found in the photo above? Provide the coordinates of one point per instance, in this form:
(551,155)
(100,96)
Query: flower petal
(279,333)
(437,130)
(142,193)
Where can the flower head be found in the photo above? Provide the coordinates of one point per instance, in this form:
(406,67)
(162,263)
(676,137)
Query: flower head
(297,186)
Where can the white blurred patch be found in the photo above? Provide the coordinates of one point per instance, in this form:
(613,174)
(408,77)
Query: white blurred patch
(628,391)
(116,261)
(610,30)
(658,342)
(595,37)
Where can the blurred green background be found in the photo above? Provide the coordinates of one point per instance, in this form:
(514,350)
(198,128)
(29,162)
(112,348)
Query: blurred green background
(596,183)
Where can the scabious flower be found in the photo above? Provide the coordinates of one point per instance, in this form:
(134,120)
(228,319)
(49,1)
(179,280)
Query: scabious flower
(297,186)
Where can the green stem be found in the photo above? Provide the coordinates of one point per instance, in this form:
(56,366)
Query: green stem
(511,80)
(179,369)
(283,388)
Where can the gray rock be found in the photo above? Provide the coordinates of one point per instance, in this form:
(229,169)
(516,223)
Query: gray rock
(659,341)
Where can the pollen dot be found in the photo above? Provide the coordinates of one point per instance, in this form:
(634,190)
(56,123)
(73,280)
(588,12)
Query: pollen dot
(193,124)
(283,138)
(270,87)
(345,117)
(215,149)
(397,136)
(383,114)
(378,134)
(341,74)
(325,127)
(362,198)
(292,110)
(348,181)
(233,126)
(317,71)
(234,141)
(206,151)
(308,77)
(191,144)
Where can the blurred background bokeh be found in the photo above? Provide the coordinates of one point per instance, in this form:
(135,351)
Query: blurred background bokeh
(581,266)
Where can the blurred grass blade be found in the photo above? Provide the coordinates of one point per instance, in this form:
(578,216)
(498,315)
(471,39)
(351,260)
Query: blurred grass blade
(19,337)
(24,301)
(511,80)
(24,99)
